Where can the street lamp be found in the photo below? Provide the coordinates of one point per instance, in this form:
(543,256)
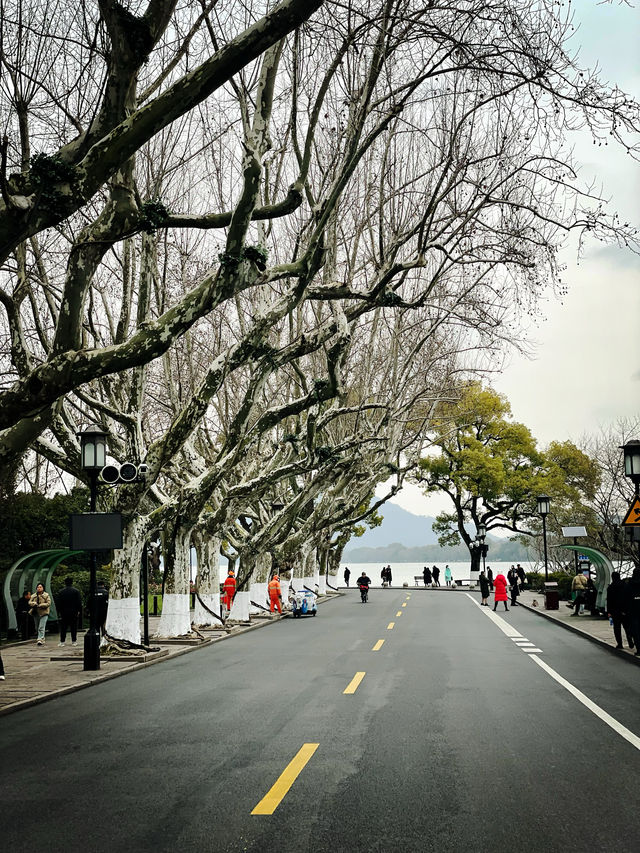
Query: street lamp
(631,452)
(481,534)
(544,503)
(93,454)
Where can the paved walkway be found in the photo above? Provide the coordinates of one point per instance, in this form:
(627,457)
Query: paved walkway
(37,673)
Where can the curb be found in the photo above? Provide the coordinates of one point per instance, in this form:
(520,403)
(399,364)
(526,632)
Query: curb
(74,688)
(631,658)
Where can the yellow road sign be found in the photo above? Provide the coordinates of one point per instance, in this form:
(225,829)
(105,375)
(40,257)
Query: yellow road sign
(633,516)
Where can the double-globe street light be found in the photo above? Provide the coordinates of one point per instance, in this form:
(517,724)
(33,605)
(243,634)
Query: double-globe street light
(544,504)
(93,453)
(481,535)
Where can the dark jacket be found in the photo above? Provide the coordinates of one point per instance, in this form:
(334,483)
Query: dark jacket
(426,574)
(69,601)
(632,606)
(484,586)
(616,596)
(363,580)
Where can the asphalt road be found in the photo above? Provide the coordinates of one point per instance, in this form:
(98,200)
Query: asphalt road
(455,739)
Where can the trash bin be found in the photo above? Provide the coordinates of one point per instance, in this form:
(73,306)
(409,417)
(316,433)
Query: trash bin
(551,595)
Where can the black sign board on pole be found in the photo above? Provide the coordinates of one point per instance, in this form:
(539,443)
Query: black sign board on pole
(95,531)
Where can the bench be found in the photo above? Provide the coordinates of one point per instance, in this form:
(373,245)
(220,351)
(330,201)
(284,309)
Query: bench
(418,579)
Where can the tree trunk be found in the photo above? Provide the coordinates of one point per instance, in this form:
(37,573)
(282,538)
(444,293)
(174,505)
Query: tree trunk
(123,617)
(176,619)
(208,580)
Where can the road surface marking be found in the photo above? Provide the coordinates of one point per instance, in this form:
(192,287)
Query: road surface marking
(355,681)
(404,603)
(377,646)
(399,613)
(497,620)
(520,640)
(623,731)
(532,651)
(522,643)
(270,802)
(390,626)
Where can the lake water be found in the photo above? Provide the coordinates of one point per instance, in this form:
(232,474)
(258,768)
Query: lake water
(405,572)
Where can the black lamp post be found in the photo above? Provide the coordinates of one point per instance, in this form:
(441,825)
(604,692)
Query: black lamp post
(631,452)
(93,452)
(481,534)
(544,503)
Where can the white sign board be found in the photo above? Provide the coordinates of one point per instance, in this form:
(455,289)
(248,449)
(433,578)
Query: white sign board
(574,531)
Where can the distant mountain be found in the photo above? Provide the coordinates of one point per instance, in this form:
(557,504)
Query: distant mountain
(399,526)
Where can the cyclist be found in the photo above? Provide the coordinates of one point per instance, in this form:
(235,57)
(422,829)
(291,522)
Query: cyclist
(363,583)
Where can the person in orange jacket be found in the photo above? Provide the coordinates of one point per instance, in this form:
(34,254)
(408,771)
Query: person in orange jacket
(275,594)
(229,587)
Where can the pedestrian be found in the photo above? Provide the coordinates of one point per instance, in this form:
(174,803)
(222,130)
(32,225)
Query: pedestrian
(484,589)
(513,581)
(500,584)
(490,577)
(448,577)
(616,608)
(347,575)
(275,594)
(426,576)
(40,605)
(578,588)
(383,576)
(435,571)
(522,576)
(69,609)
(101,604)
(23,615)
(229,589)
(632,607)
(389,575)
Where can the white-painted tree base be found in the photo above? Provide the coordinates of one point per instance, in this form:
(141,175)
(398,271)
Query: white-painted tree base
(296,583)
(258,593)
(309,583)
(322,585)
(175,620)
(240,608)
(123,619)
(202,617)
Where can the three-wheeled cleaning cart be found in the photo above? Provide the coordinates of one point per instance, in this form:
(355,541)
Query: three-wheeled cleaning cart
(304,603)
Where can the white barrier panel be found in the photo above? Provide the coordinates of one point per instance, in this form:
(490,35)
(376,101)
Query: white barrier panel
(203,617)
(123,619)
(240,608)
(175,620)
(258,593)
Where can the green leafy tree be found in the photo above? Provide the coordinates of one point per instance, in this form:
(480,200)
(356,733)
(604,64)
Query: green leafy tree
(492,470)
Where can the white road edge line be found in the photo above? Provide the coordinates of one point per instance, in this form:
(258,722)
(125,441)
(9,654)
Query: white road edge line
(623,731)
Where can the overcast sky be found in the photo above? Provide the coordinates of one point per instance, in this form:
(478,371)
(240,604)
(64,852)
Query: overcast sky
(585,368)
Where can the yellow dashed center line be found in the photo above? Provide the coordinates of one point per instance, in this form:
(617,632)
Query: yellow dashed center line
(404,603)
(399,613)
(390,626)
(377,646)
(270,802)
(355,681)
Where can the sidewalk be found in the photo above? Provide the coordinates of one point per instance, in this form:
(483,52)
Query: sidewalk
(594,628)
(35,673)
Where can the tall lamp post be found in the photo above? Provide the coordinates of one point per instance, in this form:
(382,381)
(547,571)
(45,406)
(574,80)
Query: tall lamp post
(93,452)
(544,503)
(631,452)
(481,534)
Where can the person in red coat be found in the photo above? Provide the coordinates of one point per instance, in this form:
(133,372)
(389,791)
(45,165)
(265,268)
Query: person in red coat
(500,585)
(229,587)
